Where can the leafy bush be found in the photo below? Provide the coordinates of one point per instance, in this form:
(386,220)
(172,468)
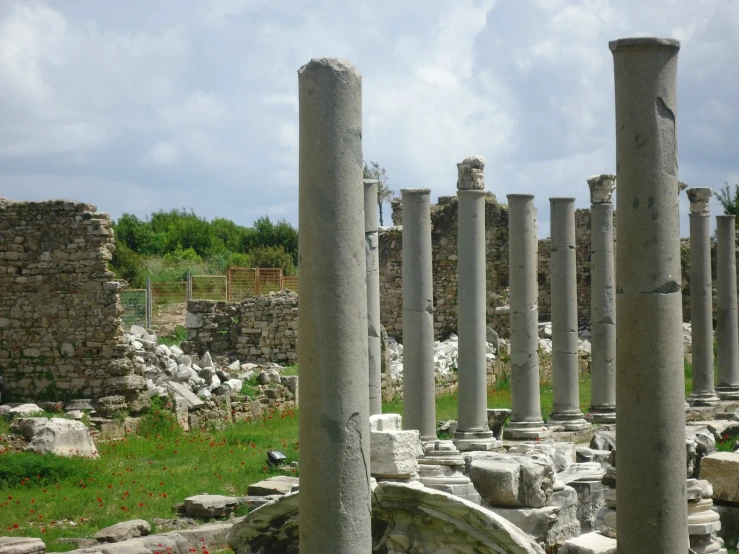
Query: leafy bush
(28,468)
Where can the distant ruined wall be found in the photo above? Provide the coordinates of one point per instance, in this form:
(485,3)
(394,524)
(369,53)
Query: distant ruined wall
(444,247)
(60,324)
(259,329)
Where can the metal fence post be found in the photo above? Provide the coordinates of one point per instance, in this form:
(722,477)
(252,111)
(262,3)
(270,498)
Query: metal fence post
(148,303)
(189,286)
(256,281)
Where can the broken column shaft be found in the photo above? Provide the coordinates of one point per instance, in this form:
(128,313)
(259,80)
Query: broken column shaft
(650,388)
(701,298)
(602,301)
(565,374)
(472,432)
(727,327)
(334,406)
(372,261)
(419,385)
(526,421)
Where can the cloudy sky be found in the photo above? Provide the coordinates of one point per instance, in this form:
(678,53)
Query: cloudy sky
(143,105)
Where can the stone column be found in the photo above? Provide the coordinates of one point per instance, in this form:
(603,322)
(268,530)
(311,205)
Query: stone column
(334,406)
(419,385)
(701,298)
(472,432)
(373,295)
(602,301)
(727,328)
(566,411)
(526,421)
(650,389)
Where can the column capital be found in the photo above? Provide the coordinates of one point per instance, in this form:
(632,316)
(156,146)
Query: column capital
(643,43)
(471,173)
(601,188)
(699,200)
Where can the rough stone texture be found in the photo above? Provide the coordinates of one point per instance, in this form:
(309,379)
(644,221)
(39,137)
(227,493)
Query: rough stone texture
(280,484)
(21,545)
(721,469)
(123,531)
(60,316)
(515,481)
(394,453)
(210,505)
(63,437)
(374,348)
(649,352)
(259,329)
(433,522)
(589,543)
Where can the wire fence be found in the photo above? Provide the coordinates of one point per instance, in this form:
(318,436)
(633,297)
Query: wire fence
(162,305)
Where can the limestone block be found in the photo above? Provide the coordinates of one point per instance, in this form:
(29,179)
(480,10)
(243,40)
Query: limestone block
(24,410)
(395,453)
(386,422)
(21,545)
(63,437)
(178,390)
(210,505)
(721,469)
(125,383)
(280,484)
(123,531)
(516,481)
(590,499)
(589,543)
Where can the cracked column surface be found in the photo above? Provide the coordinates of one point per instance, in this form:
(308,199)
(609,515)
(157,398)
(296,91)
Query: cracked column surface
(526,421)
(566,411)
(472,432)
(419,385)
(602,301)
(701,297)
(650,384)
(727,327)
(373,295)
(335,491)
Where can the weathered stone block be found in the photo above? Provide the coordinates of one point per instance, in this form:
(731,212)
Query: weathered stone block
(590,543)
(514,481)
(721,469)
(394,453)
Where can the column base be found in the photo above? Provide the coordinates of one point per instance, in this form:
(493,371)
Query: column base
(704,398)
(466,441)
(526,430)
(728,392)
(569,421)
(605,414)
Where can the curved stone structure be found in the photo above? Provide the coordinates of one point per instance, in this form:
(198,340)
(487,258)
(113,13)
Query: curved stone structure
(404,517)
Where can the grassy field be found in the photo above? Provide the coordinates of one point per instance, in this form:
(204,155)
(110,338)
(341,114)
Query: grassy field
(144,476)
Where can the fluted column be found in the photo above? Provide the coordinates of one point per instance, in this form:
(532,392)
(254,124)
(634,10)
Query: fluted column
(472,432)
(566,411)
(373,296)
(335,491)
(526,421)
(727,328)
(602,301)
(701,298)
(419,384)
(650,389)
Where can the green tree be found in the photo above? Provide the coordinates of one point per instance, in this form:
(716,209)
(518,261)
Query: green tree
(729,201)
(385,191)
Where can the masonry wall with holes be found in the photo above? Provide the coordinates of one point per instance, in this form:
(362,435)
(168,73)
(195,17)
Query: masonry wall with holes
(259,329)
(60,318)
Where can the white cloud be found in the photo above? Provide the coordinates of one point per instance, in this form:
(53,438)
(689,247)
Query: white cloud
(162,153)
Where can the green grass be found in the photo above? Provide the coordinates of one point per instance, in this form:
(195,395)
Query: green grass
(144,476)
(175,339)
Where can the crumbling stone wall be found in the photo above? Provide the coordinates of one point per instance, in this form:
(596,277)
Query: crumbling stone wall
(60,317)
(260,329)
(444,247)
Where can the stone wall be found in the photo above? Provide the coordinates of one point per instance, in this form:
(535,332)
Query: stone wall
(444,247)
(260,329)
(60,323)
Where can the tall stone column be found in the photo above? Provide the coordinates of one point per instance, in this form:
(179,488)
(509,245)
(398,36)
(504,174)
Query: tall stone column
(372,261)
(727,328)
(526,421)
(602,301)
(701,298)
(566,411)
(335,492)
(472,432)
(650,389)
(419,385)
